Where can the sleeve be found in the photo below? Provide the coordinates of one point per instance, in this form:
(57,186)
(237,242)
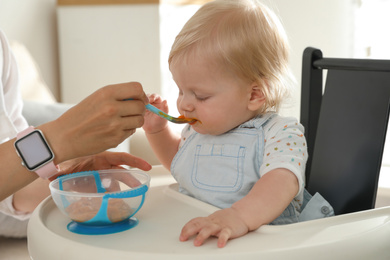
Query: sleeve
(12,222)
(285,147)
(11,103)
(6,207)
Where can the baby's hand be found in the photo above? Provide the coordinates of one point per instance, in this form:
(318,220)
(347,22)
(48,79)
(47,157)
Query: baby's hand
(225,224)
(153,123)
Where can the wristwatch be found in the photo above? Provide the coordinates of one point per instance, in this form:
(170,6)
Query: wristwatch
(35,152)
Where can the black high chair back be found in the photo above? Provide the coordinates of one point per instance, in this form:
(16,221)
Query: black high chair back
(345,127)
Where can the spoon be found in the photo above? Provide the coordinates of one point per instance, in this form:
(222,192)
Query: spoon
(177,120)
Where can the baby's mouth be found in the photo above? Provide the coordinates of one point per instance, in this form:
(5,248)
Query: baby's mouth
(192,120)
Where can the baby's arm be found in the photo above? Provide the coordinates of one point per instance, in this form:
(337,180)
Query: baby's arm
(268,198)
(282,176)
(163,140)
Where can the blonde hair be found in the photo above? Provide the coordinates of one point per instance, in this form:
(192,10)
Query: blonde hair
(246,38)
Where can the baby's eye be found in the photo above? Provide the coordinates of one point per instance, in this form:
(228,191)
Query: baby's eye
(201,98)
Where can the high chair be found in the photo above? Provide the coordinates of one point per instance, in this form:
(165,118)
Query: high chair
(345,131)
(345,125)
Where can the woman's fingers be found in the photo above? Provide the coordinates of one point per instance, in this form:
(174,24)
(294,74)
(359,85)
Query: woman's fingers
(101,121)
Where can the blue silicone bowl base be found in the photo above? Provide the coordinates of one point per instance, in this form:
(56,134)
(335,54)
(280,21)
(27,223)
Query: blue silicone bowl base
(81,229)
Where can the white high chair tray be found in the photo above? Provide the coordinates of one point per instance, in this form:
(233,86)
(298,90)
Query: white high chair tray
(363,235)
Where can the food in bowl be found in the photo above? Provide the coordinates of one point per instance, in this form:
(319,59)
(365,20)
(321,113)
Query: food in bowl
(117,210)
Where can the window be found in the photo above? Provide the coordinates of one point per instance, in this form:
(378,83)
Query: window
(372,40)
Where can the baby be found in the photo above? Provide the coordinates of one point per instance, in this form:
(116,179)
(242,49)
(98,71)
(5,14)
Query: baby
(230,63)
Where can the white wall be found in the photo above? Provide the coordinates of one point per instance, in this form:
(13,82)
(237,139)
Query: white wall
(33,22)
(101,45)
(326,24)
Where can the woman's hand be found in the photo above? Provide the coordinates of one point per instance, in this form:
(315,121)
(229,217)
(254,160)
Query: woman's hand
(99,122)
(102,161)
(225,224)
(153,123)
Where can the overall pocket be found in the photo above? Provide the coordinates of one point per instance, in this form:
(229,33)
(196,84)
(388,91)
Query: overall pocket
(218,167)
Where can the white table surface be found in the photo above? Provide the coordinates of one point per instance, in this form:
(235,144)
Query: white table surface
(363,235)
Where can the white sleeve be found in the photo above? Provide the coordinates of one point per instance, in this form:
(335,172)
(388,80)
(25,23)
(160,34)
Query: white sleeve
(11,103)
(285,147)
(12,222)
(7,208)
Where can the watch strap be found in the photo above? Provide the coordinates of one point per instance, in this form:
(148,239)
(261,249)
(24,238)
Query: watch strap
(25,132)
(47,170)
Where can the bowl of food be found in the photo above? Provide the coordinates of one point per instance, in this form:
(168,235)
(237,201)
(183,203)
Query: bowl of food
(101,202)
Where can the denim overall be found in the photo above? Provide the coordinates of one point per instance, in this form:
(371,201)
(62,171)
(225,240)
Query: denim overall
(221,170)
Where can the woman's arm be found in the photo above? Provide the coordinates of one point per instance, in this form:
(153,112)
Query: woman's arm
(13,175)
(101,121)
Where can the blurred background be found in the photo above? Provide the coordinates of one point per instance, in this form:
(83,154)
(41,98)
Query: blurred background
(81,45)
(67,49)
(78,46)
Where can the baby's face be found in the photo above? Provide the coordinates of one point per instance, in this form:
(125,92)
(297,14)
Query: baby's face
(208,93)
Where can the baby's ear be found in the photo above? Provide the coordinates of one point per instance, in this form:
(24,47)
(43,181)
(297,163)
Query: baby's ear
(257,97)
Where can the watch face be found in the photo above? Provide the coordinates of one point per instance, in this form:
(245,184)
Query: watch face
(33,150)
